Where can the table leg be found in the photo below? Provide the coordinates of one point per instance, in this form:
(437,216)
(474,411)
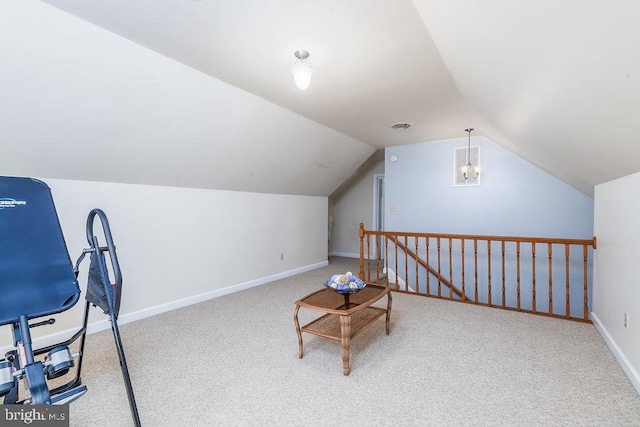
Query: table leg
(295,320)
(388,310)
(345,327)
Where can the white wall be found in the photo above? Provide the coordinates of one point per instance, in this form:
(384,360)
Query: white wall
(81,103)
(349,209)
(180,246)
(616,279)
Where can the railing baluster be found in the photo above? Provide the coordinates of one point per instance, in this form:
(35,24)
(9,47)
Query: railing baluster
(439,272)
(406,264)
(380,248)
(395,267)
(489,301)
(566,266)
(518,273)
(462,254)
(533,277)
(428,275)
(550,250)
(378,239)
(475,262)
(386,259)
(504,295)
(369,256)
(450,268)
(585,254)
(417,284)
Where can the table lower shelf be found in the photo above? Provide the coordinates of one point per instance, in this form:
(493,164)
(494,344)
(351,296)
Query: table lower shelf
(328,326)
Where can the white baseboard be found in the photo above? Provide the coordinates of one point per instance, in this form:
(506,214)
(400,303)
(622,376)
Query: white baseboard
(391,276)
(173,305)
(628,369)
(101,325)
(344,254)
(347,255)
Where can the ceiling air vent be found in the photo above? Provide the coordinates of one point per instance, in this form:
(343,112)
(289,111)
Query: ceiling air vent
(401,125)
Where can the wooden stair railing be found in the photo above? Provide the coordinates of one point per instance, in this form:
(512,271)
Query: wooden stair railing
(430,269)
(523,273)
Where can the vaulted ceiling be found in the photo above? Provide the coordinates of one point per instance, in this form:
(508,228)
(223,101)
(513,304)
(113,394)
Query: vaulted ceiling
(558,83)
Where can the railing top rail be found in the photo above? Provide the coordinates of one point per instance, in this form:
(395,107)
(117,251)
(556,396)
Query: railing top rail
(552,240)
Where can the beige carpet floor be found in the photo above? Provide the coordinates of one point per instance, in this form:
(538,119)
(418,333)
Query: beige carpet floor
(233,361)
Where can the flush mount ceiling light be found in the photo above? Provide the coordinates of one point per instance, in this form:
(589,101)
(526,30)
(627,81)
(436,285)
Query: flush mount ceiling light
(301,70)
(469,171)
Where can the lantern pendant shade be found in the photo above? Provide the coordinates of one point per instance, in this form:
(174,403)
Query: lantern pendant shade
(469,171)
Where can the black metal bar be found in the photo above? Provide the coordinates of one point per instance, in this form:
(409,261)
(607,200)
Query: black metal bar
(113,297)
(111,248)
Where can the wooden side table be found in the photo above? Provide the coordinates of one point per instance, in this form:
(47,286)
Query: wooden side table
(345,315)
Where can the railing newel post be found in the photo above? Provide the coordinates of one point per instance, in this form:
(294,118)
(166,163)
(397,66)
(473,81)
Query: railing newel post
(361,233)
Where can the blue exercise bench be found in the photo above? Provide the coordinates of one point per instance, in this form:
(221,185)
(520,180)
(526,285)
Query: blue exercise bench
(37,279)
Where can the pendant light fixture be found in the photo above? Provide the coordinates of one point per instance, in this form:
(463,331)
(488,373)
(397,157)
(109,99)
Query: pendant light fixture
(469,171)
(301,70)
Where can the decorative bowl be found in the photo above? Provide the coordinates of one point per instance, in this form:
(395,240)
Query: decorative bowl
(347,283)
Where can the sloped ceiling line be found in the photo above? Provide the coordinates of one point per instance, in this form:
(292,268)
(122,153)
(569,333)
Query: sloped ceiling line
(556,83)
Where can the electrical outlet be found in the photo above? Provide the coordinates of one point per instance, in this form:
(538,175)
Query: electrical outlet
(626,320)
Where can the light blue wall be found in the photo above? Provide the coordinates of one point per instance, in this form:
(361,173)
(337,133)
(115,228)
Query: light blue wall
(515,197)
